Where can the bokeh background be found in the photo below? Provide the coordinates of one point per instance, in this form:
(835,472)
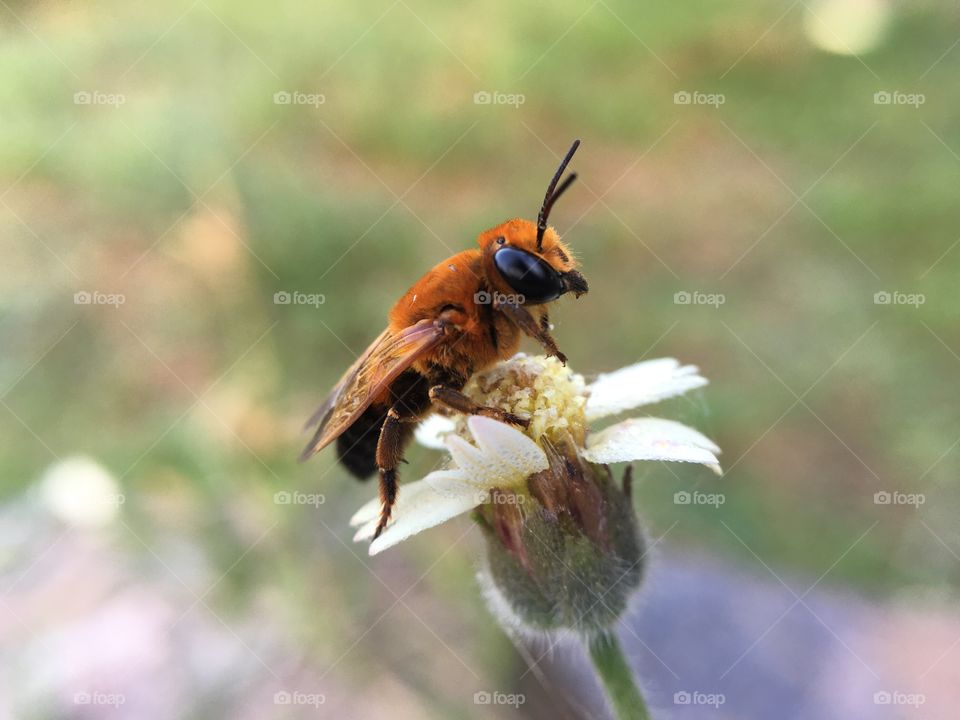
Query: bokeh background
(768,191)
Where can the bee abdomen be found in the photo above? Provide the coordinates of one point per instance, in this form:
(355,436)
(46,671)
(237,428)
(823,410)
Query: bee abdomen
(357,445)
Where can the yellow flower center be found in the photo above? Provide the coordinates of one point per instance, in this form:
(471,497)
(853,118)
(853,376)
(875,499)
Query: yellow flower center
(538,387)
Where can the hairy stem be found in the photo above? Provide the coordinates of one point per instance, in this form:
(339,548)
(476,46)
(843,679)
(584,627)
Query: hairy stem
(617,678)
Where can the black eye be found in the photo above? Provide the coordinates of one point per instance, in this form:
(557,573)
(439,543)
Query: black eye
(528,275)
(501,240)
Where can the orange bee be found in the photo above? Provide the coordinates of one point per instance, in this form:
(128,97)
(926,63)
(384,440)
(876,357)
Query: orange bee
(462,316)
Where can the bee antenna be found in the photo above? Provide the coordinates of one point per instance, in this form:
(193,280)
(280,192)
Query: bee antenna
(554,192)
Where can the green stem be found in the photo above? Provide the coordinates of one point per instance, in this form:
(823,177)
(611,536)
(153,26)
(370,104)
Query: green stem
(617,678)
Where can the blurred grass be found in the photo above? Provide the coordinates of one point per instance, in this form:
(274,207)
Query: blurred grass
(199,198)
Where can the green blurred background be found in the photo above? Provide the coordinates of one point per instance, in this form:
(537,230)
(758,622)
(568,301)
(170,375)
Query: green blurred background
(183,182)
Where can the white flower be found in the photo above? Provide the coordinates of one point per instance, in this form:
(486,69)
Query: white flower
(559,404)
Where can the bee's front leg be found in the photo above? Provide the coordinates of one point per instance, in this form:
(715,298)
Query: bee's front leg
(522,318)
(456,400)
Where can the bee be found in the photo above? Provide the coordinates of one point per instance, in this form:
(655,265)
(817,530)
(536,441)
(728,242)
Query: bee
(463,315)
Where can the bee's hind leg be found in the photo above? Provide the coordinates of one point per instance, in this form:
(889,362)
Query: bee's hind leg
(456,400)
(393,436)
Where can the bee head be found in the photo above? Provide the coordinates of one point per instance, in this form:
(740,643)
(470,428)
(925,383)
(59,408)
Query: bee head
(528,258)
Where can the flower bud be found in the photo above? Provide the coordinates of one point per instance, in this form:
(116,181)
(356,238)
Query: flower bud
(570,556)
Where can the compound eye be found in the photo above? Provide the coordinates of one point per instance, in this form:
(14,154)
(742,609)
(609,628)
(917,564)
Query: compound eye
(528,275)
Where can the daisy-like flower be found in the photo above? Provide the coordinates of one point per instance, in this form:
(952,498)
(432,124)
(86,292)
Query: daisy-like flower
(564,550)
(492,462)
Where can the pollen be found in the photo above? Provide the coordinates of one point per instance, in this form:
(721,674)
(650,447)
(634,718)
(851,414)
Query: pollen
(535,387)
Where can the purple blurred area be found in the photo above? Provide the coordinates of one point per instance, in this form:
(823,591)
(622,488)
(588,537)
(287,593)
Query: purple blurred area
(90,629)
(712,639)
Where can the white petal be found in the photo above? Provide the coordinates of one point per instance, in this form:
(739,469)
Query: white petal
(503,455)
(418,507)
(411,497)
(406,496)
(651,439)
(369,511)
(640,384)
(467,457)
(513,450)
(430,432)
(450,482)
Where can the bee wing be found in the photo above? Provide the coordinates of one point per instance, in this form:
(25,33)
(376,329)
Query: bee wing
(388,356)
(325,408)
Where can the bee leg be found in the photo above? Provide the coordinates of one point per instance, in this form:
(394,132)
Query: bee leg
(389,455)
(456,400)
(545,321)
(522,318)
